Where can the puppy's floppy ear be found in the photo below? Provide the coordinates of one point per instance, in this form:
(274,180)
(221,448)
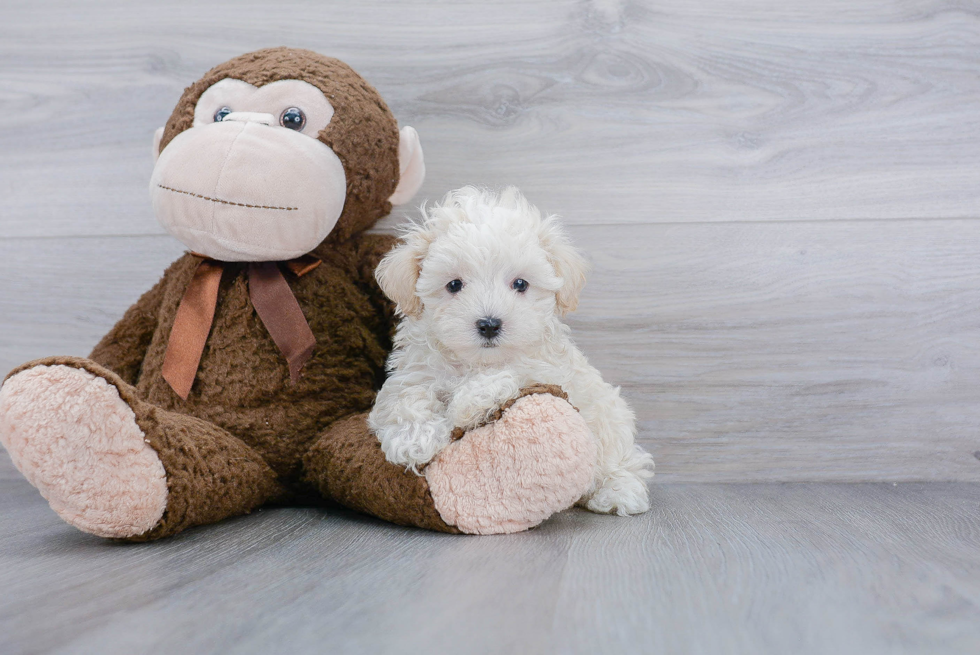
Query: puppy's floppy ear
(399,271)
(568,262)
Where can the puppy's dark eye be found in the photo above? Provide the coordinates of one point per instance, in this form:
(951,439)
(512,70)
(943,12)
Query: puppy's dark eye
(221,113)
(454,286)
(293,118)
(519,285)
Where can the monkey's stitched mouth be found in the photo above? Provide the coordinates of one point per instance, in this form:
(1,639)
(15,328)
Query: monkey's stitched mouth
(227,202)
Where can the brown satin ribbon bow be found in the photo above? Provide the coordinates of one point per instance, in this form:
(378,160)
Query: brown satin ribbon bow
(273,300)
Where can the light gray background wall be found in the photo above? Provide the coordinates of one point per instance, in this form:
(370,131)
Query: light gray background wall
(781,199)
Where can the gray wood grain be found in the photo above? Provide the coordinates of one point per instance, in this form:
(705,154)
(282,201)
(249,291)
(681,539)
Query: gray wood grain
(804,351)
(751,351)
(605,111)
(754,569)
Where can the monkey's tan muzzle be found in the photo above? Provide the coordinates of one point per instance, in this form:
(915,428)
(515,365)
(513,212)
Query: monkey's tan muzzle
(247,190)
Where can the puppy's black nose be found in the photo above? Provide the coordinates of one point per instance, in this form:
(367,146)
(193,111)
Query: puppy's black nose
(488,327)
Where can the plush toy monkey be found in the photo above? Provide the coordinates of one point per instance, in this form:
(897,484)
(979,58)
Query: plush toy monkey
(243,377)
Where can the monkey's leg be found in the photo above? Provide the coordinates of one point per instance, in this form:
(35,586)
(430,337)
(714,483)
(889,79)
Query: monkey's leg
(346,465)
(115,466)
(536,459)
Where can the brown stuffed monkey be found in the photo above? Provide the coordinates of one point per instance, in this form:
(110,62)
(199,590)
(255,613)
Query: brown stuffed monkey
(243,376)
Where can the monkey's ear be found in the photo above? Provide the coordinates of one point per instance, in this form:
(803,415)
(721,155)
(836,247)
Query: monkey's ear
(398,272)
(411,166)
(156,143)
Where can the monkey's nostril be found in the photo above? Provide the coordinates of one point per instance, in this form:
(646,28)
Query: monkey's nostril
(489,327)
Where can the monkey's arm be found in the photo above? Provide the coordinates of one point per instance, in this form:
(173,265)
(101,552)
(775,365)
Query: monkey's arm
(122,350)
(370,249)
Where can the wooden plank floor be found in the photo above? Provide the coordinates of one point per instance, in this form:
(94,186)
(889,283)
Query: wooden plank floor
(754,569)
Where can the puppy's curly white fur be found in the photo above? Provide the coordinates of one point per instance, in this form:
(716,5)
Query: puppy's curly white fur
(481,283)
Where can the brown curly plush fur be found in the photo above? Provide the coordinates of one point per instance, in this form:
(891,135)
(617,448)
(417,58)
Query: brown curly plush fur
(352,470)
(242,382)
(240,438)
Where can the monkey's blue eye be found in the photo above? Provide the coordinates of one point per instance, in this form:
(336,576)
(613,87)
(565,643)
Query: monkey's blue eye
(221,113)
(293,118)
(454,286)
(519,285)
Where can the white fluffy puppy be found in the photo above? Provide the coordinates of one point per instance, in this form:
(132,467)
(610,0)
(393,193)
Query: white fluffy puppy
(481,283)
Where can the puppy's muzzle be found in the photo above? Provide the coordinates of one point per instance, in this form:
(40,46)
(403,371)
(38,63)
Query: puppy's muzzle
(489,328)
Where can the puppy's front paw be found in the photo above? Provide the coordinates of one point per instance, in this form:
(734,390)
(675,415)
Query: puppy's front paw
(469,411)
(414,444)
(476,399)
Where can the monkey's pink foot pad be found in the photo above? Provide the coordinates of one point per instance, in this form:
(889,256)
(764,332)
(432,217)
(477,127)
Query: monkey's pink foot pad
(511,475)
(78,442)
